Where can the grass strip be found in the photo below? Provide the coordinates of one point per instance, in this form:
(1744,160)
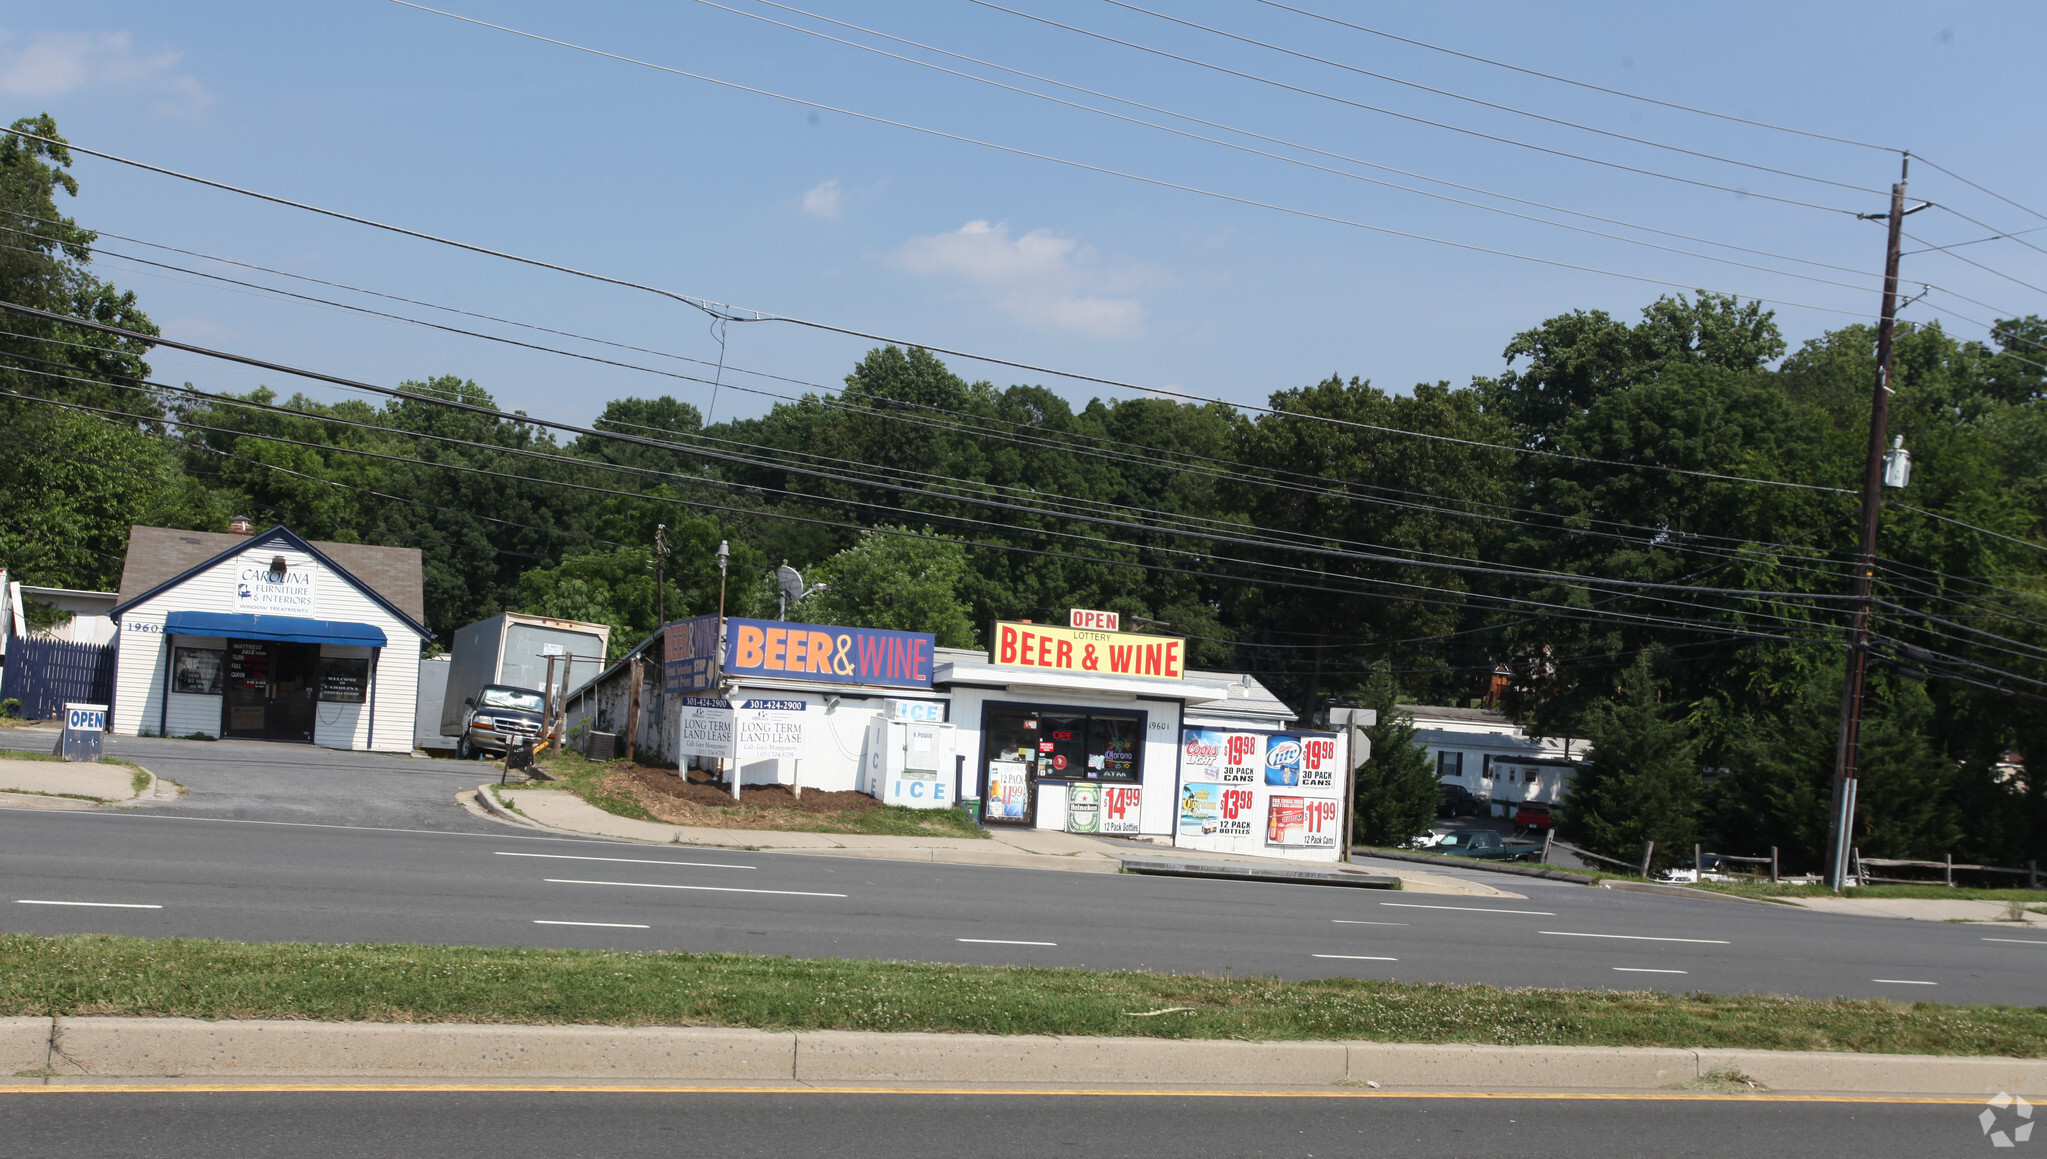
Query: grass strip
(99,975)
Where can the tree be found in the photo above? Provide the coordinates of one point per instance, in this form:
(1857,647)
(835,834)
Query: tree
(1642,783)
(44,265)
(76,483)
(898,581)
(1397,788)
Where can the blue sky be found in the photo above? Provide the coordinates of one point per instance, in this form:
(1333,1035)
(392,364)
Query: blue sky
(416,119)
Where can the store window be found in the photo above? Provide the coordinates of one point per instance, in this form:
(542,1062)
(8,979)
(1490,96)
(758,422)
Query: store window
(1067,744)
(198,670)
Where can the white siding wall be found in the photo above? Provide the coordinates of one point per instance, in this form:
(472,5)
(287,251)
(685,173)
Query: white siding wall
(139,667)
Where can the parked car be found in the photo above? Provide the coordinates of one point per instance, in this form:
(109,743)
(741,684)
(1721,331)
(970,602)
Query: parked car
(1459,801)
(1486,846)
(497,717)
(1532,815)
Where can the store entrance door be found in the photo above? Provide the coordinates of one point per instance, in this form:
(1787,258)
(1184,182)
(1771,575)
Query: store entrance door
(1023,745)
(270,690)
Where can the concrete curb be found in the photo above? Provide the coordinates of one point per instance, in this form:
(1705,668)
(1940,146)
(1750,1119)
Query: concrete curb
(1663,890)
(960,857)
(1474,863)
(24,1044)
(1291,873)
(503,812)
(129,1048)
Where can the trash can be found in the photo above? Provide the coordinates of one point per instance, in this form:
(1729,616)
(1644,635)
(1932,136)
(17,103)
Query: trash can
(84,725)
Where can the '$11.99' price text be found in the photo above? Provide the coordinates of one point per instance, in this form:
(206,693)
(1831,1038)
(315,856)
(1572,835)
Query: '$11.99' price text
(1319,814)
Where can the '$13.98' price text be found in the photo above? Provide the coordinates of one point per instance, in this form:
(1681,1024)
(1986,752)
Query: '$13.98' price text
(1235,802)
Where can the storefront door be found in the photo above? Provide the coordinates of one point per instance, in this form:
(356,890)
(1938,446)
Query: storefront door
(1023,745)
(270,690)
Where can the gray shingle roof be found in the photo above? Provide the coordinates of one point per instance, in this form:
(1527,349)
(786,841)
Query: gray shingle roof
(156,554)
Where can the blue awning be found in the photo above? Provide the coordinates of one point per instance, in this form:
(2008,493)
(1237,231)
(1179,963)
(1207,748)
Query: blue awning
(290,629)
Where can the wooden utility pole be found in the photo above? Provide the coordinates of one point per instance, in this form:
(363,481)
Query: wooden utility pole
(660,584)
(1841,815)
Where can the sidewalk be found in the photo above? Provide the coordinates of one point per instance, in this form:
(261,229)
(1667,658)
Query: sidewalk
(38,784)
(47,1053)
(1004,847)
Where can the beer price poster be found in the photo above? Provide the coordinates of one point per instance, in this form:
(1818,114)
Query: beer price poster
(1273,794)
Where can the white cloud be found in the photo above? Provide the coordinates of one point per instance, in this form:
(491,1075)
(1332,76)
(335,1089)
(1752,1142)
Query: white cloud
(826,200)
(55,64)
(1041,278)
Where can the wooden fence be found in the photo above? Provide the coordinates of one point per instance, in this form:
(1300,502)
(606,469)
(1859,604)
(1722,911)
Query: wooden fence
(44,674)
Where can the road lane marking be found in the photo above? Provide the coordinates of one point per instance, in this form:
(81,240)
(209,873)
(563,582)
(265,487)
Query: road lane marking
(1357,957)
(601,925)
(1002,942)
(2019,941)
(1638,938)
(93,904)
(1471,909)
(1647,970)
(1903,982)
(705,888)
(629,860)
(1355,922)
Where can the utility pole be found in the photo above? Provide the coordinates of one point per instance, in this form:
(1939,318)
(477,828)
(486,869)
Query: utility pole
(1841,815)
(660,587)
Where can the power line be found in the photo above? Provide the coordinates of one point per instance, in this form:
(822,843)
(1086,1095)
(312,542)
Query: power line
(1980,189)
(1343,490)
(1278,156)
(1586,85)
(1282,141)
(1960,523)
(1254,77)
(1485,103)
(831,328)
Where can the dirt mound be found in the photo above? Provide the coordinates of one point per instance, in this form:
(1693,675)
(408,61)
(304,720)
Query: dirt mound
(682,802)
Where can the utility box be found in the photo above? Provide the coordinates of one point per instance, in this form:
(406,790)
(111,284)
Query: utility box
(512,650)
(911,763)
(84,726)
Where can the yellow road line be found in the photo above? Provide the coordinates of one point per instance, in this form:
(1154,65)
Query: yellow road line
(557,1087)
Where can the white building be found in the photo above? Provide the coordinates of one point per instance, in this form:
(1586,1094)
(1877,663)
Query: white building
(268,636)
(1495,758)
(1089,737)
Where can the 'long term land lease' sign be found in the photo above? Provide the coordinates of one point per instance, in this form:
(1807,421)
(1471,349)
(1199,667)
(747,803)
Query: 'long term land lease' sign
(1093,653)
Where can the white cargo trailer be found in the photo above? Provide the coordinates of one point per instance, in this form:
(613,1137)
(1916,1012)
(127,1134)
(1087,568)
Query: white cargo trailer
(512,651)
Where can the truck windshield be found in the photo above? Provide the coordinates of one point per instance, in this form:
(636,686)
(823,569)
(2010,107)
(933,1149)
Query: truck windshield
(514,698)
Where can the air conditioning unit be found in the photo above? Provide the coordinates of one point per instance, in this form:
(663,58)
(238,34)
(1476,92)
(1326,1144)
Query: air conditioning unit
(601,746)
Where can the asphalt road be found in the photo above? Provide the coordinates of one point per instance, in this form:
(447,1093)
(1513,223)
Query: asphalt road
(152,873)
(545,1125)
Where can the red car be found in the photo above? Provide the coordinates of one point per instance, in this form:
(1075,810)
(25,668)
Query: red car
(1532,815)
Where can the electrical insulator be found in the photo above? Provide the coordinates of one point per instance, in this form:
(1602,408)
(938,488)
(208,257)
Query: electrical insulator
(1897,464)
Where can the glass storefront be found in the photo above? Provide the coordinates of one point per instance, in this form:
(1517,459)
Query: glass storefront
(1024,744)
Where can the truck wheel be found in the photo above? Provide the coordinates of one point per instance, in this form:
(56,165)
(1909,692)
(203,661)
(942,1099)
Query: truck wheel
(462,750)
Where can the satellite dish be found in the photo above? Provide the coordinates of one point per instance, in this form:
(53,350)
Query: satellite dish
(791,582)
